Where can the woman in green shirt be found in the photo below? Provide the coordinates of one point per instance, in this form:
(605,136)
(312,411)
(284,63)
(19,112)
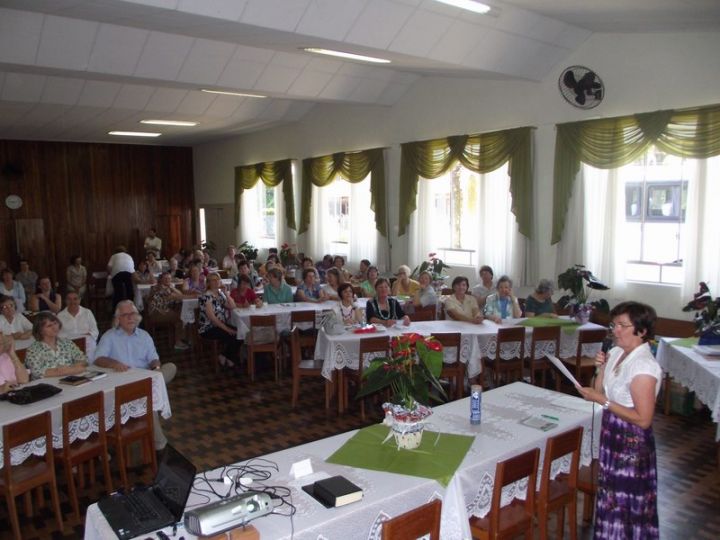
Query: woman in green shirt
(277,291)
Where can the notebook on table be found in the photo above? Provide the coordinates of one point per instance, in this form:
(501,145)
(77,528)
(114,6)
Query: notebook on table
(148,508)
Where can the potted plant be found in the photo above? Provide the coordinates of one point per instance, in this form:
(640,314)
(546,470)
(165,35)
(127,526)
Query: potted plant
(248,250)
(579,281)
(436,267)
(287,256)
(707,318)
(413,367)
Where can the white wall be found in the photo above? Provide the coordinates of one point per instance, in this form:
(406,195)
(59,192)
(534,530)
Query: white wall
(641,73)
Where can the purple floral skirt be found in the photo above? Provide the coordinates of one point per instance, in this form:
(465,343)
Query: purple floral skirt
(626,505)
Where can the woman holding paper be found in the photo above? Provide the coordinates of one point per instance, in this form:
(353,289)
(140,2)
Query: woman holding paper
(627,383)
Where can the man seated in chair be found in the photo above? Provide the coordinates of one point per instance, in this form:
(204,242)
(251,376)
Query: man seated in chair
(126,346)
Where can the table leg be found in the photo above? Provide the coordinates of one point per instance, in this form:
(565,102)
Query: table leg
(340,391)
(667,394)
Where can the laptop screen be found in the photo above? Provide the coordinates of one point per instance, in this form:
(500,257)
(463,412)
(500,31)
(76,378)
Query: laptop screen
(174,481)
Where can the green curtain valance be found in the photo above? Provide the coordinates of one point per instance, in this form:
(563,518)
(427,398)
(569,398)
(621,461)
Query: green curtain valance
(272,173)
(481,153)
(354,167)
(609,143)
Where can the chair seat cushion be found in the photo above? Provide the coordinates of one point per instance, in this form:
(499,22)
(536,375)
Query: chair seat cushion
(310,364)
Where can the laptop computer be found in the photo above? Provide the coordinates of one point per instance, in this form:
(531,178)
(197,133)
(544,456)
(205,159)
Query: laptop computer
(148,508)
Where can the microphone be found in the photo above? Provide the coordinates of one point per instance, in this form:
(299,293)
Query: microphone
(607,344)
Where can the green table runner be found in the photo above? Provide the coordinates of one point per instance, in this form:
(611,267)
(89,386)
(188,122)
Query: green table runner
(568,325)
(688,342)
(439,462)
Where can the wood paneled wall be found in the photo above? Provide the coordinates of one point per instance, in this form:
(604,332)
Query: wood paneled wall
(92,197)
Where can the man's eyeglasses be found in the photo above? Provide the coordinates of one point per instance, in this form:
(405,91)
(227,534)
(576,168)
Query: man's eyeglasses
(612,326)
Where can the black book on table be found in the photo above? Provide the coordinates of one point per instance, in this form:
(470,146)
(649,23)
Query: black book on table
(334,491)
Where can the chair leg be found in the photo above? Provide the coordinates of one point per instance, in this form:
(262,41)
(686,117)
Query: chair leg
(588,503)
(72,489)
(666,391)
(28,503)
(542,517)
(561,521)
(56,503)
(572,519)
(106,472)
(296,392)
(12,510)
(122,465)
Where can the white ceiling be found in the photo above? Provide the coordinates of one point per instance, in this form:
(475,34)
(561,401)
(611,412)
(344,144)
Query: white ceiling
(76,69)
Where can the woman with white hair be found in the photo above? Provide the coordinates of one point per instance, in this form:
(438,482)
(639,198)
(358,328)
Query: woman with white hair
(404,286)
(502,304)
(539,302)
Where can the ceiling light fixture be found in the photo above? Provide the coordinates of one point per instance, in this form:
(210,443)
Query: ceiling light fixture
(134,133)
(349,56)
(169,123)
(470,5)
(225,93)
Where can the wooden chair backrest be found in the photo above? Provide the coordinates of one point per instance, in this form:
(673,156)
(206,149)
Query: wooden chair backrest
(545,333)
(450,339)
(295,352)
(302,316)
(589,336)
(427,313)
(82,408)
(126,393)
(556,447)
(370,345)
(511,470)
(421,521)
(512,335)
(80,342)
(267,322)
(22,432)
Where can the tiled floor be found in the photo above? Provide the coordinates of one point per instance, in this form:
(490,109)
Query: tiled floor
(222,419)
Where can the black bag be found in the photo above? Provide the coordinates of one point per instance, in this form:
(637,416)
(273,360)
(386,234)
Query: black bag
(31,394)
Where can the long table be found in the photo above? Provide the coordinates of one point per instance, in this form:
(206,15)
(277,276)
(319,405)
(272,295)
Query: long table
(386,495)
(691,369)
(10,413)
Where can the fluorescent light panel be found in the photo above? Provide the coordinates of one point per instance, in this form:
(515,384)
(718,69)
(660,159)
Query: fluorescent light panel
(470,5)
(169,123)
(225,93)
(134,133)
(349,56)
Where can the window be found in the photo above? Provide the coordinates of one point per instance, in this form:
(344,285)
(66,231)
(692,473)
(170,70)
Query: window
(266,209)
(259,215)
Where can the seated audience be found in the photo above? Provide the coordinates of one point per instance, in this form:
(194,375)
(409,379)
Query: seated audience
(383,309)
(485,287)
(461,306)
(163,306)
(244,294)
(143,275)
(502,304)
(271,262)
(208,262)
(368,286)
(323,266)
(347,309)
(309,289)
(12,370)
(333,279)
(153,243)
(76,276)
(13,323)
(176,273)
(45,297)
(339,263)
(404,286)
(126,346)
(245,268)
(194,284)
(228,262)
(361,274)
(215,310)
(305,263)
(10,287)
(121,268)
(78,321)
(539,302)
(425,295)
(50,355)
(277,291)
(154,266)
(27,278)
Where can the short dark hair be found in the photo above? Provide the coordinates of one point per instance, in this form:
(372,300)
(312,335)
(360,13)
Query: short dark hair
(486,268)
(308,271)
(373,268)
(72,259)
(342,287)
(308,259)
(336,257)
(39,321)
(276,273)
(459,280)
(642,316)
(504,279)
(335,272)
(365,262)
(244,278)
(380,281)
(243,262)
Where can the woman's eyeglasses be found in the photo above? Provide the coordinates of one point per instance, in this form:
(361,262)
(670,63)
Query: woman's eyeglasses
(612,326)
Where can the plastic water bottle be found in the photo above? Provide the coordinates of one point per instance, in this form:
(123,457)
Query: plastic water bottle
(475,404)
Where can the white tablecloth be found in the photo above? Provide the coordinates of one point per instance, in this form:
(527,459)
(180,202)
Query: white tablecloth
(82,429)
(698,373)
(386,495)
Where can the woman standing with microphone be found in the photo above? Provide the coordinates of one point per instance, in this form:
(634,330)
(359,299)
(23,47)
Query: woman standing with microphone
(627,383)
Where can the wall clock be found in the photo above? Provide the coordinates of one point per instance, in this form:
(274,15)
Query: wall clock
(13,202)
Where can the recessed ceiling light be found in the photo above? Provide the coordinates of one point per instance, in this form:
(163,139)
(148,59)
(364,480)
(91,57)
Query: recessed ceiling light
(470,5)
(224,93)
(169,123)
(134,133)
(349,56)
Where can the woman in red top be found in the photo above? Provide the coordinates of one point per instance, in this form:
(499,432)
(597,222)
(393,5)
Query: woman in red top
(243,294)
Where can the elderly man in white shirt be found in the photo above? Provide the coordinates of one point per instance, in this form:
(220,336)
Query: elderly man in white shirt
(78,321)
(121,268)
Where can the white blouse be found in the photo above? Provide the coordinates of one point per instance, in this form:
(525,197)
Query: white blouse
(639,362)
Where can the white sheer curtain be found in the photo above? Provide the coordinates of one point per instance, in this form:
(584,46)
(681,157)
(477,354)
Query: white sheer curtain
(488,226)
(251,219)
(362,239)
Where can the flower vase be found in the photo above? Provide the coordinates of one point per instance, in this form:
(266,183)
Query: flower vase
(406,426)
(711,336)
(582,313)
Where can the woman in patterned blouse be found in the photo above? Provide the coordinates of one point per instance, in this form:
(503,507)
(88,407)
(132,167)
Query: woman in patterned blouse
(164,307)
(215,308)
(50,355)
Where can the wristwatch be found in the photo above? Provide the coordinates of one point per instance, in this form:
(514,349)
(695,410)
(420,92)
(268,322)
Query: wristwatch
(606,405)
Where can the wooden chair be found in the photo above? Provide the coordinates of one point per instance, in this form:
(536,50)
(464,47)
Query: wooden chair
(308,331)
(510,366)
(21,354)
(304,368)
(372,345)
(358,291)
(455,371)
(587,483)
(19,479)
(263,338)
(534,364)
(136,428)
(200,343)
(427,313)
(73,455)
(421,522)
(579,364)
(555,495)
(81,343)
(509,521)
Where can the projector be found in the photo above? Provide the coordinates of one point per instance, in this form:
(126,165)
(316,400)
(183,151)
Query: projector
(226,514)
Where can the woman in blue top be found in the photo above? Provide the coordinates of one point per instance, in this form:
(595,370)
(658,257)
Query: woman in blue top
(502,304)
(309,289)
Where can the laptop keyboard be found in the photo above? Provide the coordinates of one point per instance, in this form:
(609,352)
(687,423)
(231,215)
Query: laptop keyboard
(142,508)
